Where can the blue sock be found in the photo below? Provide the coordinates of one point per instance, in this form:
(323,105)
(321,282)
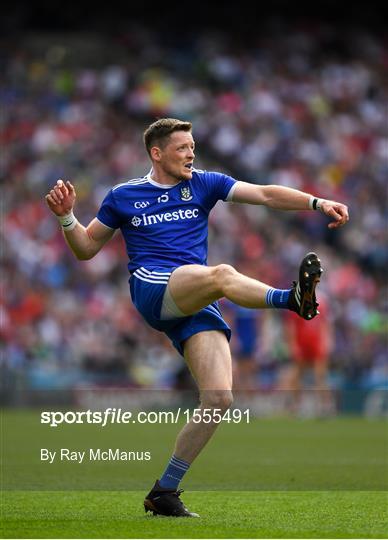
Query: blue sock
(174,473)
(277,298)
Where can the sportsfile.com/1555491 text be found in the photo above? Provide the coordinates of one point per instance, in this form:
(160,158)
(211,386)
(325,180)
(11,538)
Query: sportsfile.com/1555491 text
(113,415)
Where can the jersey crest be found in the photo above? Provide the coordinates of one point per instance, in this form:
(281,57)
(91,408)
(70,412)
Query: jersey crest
(186,194)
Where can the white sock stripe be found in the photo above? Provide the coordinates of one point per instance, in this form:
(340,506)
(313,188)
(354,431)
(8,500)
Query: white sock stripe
(269,297)
(297,293)
(180,462)
(179,467)
(150,276)
(154,272)
(272,295)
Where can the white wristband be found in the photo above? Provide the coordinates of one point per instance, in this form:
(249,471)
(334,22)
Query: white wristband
(315,203)
(68,222)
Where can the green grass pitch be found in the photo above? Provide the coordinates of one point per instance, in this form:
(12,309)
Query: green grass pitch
(223,515)
(274,478)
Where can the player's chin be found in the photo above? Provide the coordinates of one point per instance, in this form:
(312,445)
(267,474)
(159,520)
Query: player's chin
(187,174)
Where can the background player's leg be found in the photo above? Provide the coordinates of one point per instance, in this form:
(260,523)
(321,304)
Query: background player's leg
(296,379)
(194,287)
(323,394)
(208,356)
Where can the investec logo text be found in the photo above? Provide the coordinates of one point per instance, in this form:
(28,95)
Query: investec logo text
(152,219)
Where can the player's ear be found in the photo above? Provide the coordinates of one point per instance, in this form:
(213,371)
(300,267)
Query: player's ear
(156,153)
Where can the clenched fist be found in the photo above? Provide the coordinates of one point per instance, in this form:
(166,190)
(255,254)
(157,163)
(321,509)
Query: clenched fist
(337,211)
(61,198)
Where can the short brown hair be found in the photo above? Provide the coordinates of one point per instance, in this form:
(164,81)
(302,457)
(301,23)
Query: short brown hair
(158,132)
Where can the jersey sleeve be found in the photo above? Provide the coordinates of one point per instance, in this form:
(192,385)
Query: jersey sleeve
(108,213)
(220,187)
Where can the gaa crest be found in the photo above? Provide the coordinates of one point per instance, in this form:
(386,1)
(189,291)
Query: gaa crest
(186,194)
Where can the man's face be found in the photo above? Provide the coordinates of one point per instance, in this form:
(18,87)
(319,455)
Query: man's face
(177,157)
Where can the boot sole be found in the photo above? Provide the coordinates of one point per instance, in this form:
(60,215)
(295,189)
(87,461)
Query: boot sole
(314,271)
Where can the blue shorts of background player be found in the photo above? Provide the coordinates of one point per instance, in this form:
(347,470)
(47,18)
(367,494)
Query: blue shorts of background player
(149,293)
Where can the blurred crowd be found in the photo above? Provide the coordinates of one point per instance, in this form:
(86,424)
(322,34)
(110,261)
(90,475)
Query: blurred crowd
(302,107)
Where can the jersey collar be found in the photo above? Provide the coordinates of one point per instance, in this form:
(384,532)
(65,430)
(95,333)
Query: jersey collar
(154,183)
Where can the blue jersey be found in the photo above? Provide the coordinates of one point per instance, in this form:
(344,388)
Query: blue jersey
(165,225)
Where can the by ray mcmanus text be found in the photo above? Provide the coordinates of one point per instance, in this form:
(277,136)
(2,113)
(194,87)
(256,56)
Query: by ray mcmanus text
(93,454)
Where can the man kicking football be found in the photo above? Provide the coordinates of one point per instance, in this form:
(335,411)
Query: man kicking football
(163,217)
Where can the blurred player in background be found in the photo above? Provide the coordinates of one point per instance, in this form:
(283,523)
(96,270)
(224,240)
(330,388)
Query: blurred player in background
(310,346)
(163,217)
(246,326)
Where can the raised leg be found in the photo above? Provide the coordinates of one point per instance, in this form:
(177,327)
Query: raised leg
(194,287)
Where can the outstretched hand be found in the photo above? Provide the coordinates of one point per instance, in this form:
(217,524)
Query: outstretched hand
(337,211)
(61,198)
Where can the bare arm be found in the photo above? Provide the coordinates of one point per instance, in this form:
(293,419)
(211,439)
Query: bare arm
(84,242)
(285,198)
